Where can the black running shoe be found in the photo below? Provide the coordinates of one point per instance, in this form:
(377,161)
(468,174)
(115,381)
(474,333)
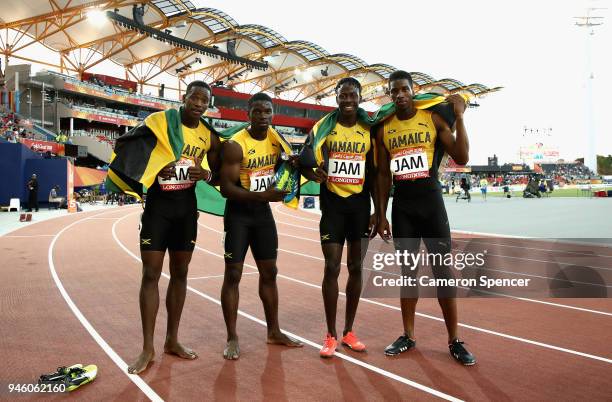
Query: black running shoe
(401,345)
(461,354)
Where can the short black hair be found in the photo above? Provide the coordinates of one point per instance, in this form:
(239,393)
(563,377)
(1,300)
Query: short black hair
(260,96)
(198,83)
(350,81)
(400,75)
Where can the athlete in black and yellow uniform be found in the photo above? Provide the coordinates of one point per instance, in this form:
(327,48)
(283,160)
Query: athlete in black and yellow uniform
(410,146)
(169,221)
(247,174)
(170,218)
(345,179)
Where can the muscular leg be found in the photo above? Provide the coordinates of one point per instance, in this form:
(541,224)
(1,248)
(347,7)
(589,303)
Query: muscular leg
(333,256)
(410,295)
(408,306)
(268,293)
(175,299)
(149,303)
(438,241)
(449,311)
(353,285)
(229,303)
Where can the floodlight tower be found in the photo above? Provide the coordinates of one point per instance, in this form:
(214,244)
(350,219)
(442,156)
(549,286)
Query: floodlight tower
(589,22)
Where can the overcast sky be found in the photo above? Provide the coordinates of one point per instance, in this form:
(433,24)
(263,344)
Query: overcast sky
(531,48)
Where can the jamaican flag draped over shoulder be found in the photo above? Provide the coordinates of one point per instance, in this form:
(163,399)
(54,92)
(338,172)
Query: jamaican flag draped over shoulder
(312,154)
(210,199)
(140,154)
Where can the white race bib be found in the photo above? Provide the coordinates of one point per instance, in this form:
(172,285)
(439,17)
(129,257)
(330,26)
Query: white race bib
(180,180)
(261,179)
(409,164)
(346,168)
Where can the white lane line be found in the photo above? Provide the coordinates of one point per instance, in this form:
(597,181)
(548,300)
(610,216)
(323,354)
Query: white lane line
(293,216)
(28,224)
(279,249)
(277,209)
(502,256)
(546,277)
(513,297)
(29,236)
(140,383)
(221,276)
(279,233)
(497,294)
(536,248)
(595,357)
(304,340)
(561,241)
(545,261)
(297,226)
(500,334)
(491,254)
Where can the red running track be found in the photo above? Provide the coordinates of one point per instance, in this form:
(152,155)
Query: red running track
(70,294)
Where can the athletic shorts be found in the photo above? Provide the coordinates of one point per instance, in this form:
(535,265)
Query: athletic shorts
(422,217)
(343,218)
(249,225)
(169,225)
(483,190)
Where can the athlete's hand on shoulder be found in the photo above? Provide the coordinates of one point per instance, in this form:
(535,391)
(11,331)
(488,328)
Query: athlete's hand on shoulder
(321,174)
(168,171)
(197,172)
(459,104)
(384,230)
(273,194)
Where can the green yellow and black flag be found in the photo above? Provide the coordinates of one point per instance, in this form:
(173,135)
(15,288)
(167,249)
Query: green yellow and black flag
(312,154)
(320,131)
(140,154)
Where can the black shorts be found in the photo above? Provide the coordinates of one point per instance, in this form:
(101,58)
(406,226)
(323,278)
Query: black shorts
(423,217)
(249,224)
(168,224)
(343,218)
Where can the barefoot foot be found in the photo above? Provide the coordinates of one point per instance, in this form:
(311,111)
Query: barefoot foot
(175,348)
(232,350)
(282,339)
(142,362)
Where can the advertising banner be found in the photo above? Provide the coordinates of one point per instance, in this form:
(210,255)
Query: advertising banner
(44,146)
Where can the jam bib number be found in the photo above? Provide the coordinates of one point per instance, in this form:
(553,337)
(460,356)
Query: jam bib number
(409,164)
(261,179)
(346,168)
(180,180)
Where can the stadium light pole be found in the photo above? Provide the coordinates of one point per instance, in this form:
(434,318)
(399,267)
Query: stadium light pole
(588,22)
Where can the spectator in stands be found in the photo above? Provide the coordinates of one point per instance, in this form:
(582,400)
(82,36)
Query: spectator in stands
(33,193)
